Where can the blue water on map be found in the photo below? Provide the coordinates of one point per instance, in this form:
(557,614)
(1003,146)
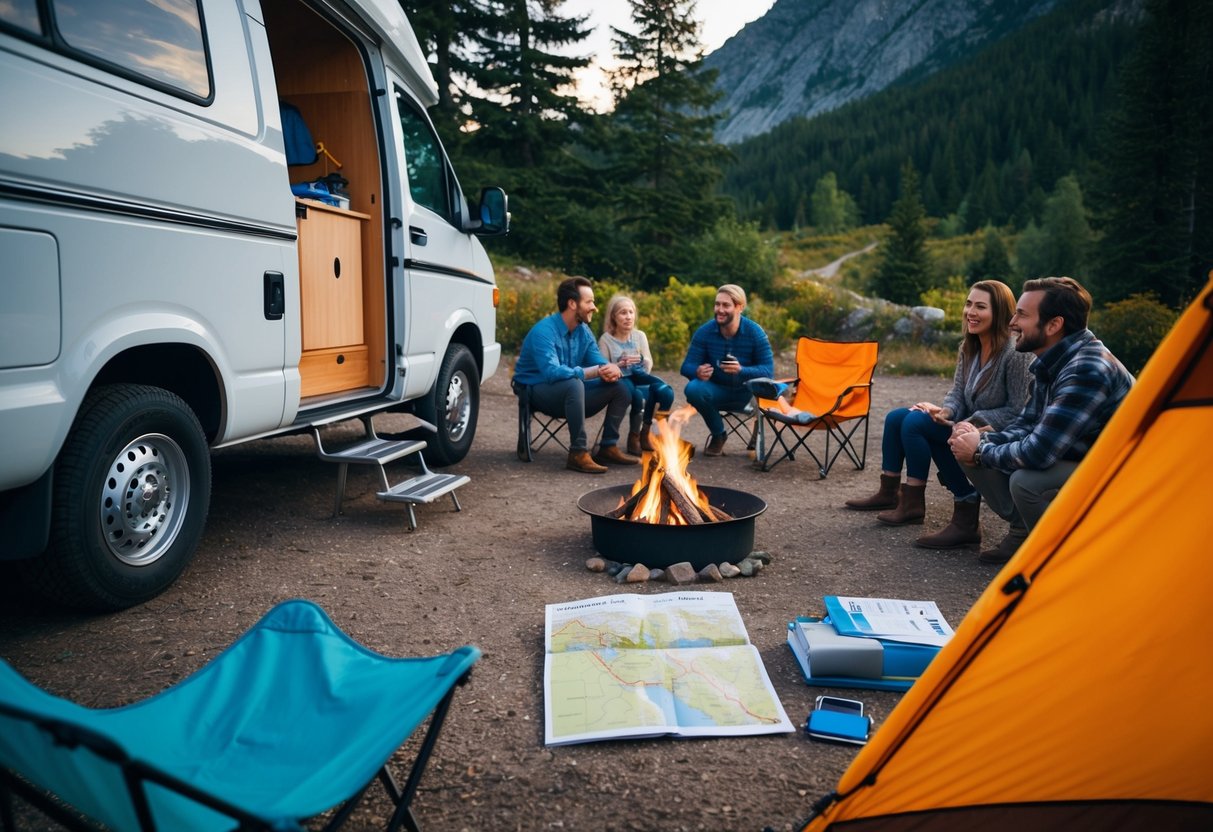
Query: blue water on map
(692,642)
(688,717)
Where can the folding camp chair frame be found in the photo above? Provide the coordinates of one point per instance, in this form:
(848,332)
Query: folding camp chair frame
(833,429)
(745,424)
(547,427)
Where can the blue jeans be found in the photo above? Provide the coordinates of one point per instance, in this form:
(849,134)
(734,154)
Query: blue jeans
(709,399)
(912,437)
(658,393)
(575,399)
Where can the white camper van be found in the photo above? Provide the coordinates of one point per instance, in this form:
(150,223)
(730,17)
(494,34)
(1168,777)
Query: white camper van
(220,220)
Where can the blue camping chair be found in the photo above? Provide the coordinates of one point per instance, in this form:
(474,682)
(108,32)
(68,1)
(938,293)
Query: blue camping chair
(293,719)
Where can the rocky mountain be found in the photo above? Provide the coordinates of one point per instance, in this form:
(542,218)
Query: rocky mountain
(806,57)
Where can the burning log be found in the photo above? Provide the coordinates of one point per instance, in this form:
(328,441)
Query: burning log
(626,507)
(665,494)
(685,505)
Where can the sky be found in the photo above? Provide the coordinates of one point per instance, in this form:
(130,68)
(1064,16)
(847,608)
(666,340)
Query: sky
(721,20)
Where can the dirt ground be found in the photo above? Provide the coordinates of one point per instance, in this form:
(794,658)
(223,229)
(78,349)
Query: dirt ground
(482,576)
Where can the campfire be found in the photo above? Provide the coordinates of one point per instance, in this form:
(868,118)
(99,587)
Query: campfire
(666,494)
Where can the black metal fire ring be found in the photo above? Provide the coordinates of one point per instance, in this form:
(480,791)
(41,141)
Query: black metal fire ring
(662,546)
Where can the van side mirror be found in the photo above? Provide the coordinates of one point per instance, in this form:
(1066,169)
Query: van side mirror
(494,215)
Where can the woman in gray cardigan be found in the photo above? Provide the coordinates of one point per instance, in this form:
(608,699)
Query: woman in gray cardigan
(989,389)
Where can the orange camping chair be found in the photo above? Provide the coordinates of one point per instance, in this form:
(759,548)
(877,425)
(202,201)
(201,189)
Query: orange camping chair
(833,395)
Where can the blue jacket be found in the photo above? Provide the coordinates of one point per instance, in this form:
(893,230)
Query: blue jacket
(551,353)
(749,346)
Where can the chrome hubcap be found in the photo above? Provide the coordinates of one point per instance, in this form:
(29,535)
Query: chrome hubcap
(458,407)
(144,498)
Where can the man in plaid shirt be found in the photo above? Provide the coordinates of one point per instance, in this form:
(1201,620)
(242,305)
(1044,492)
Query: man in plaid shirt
(1078,386)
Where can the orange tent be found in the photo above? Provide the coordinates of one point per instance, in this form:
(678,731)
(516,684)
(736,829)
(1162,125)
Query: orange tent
(1077,692)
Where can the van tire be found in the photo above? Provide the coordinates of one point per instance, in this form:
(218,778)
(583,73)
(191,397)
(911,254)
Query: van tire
(453,406)
(105,557)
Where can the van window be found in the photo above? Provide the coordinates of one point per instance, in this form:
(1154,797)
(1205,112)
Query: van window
(424,160)
(158,39)
(21,13)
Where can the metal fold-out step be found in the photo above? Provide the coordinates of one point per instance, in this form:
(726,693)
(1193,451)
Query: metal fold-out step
(376,450)
(424,488)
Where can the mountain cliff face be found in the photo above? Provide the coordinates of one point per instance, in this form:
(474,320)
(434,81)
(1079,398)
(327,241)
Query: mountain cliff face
(809,56)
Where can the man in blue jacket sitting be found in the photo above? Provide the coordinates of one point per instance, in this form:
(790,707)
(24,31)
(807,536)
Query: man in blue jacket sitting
(566,375)
(725,353)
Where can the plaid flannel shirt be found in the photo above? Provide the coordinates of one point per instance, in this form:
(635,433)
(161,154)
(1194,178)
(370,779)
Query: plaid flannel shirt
(1078,386)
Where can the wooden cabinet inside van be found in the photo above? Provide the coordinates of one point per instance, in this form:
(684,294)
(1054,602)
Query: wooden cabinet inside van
(331,296)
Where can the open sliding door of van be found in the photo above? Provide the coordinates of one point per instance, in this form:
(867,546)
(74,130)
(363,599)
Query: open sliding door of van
(324,86)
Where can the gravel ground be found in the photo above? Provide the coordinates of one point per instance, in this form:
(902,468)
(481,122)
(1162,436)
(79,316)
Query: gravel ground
(482,576)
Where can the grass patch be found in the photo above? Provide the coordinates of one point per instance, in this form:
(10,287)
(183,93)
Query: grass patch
(900,358)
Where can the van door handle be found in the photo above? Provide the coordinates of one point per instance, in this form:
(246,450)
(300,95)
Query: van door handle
(418,235)
(275,296)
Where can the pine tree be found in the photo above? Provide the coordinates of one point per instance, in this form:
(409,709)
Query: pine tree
(832,210)
(526,99)
(1061,245)
(904,272)
(447,32)
(665,163)
(1156,185)
(993,264)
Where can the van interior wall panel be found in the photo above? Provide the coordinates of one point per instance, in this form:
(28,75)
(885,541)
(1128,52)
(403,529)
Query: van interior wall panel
(320,71)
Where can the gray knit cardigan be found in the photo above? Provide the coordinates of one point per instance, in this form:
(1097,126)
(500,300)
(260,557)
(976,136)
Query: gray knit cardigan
(1002,397)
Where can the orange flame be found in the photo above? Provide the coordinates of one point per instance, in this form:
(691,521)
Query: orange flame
(667,461)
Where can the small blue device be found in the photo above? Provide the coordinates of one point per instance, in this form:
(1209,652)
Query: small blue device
(839,720)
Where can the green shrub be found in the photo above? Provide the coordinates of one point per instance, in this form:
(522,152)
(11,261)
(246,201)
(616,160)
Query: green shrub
(521,305)
(951,299)
(815,309)
(1132,328)
(732,252)
(670,316)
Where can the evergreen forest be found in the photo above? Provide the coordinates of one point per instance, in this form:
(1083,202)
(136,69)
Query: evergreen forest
(1082,145)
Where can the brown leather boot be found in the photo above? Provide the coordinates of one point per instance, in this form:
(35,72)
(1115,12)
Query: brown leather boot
(886,497)
(1006,548)
(964,530)
(911,507)
(715,446)
(646,439)
(611,455)
(634,445)
(581,461)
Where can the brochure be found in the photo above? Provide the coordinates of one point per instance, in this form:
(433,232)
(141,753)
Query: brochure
(914,622)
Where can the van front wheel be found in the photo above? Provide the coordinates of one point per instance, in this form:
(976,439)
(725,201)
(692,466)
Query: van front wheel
(453,407)
(131,492)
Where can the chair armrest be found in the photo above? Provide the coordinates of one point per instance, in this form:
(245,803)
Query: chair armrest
(842,397)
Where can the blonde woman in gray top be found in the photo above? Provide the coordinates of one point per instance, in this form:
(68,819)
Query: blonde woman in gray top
(989,389)
(625,345)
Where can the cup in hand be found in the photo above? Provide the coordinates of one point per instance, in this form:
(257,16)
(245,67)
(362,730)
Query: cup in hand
(629,360)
